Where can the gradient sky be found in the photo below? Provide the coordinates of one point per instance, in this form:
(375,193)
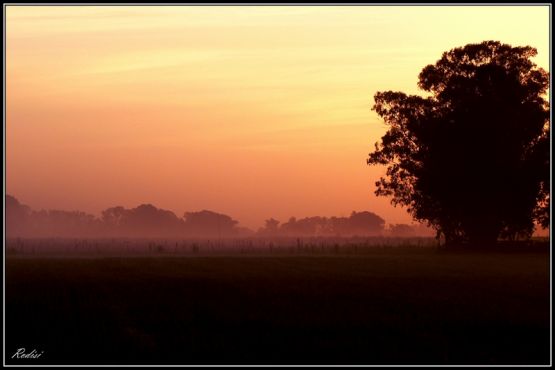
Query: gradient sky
(255,112)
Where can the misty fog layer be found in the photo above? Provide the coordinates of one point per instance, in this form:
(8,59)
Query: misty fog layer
(148,221)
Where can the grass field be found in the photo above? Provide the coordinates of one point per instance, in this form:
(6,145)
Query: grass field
(388,307)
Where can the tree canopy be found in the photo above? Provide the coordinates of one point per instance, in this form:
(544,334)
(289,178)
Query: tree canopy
(471,158)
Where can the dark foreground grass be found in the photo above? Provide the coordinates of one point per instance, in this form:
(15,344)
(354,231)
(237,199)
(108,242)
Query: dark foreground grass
(420,307)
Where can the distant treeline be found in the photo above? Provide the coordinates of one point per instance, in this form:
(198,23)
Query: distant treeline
(148,221)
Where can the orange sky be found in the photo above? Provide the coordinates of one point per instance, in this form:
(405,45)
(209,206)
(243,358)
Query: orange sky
(255,112)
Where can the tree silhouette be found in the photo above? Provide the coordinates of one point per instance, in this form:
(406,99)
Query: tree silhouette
(208,223)
(359,223)
(472,158)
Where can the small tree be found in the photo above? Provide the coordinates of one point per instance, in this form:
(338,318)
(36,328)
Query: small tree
(472,158)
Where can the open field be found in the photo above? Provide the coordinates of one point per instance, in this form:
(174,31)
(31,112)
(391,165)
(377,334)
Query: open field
(390,306)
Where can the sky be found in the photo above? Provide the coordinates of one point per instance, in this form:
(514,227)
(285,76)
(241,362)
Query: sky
(251,111)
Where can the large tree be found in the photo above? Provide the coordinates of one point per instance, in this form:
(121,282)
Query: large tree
(472,157)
